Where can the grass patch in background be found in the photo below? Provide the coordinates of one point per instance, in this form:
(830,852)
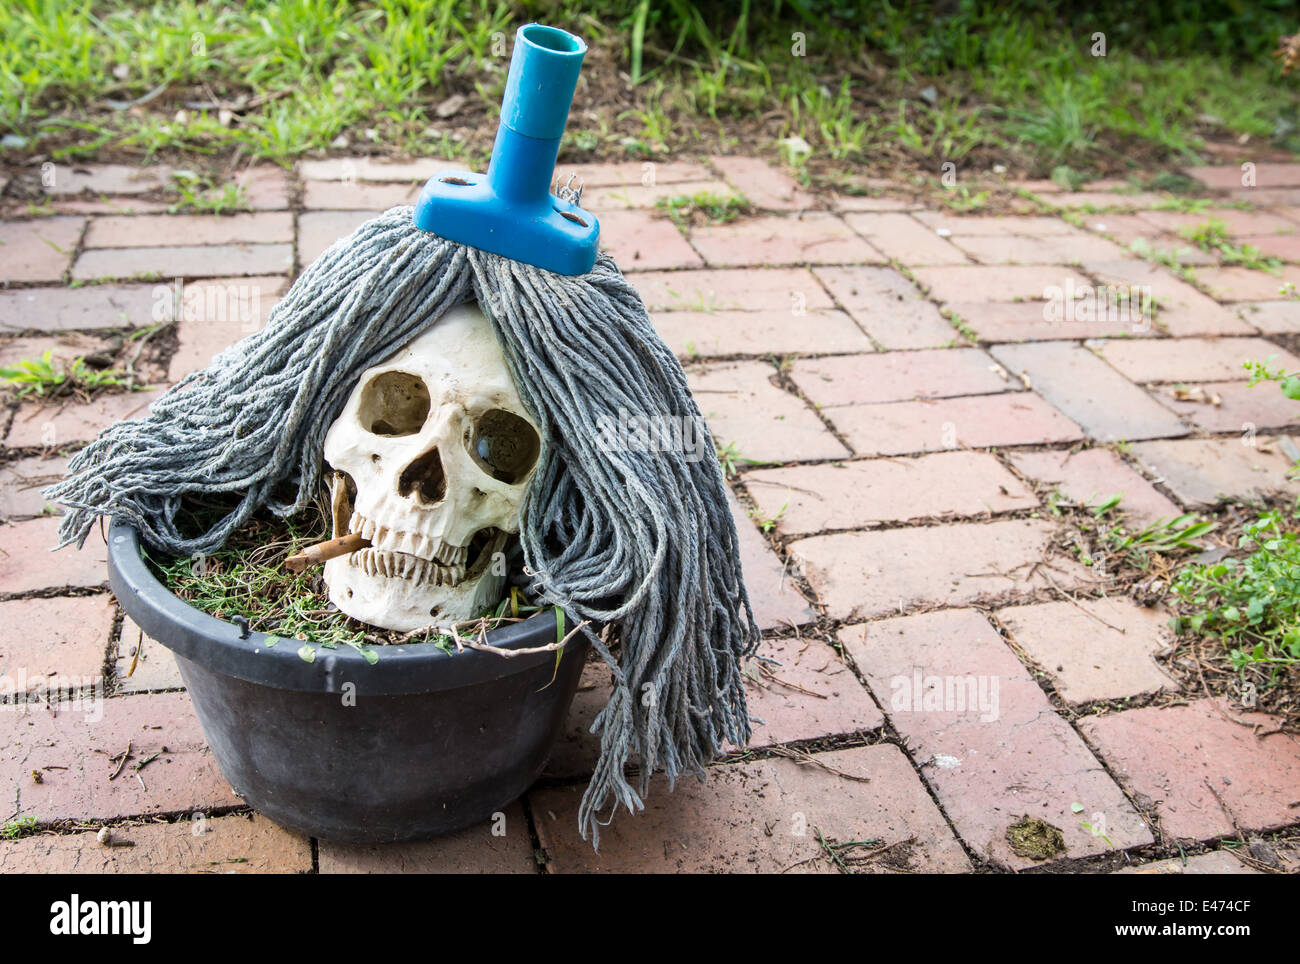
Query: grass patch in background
(1249,604)
(876,85)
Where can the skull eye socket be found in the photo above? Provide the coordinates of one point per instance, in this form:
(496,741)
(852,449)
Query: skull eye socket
(394,404)
(503,445)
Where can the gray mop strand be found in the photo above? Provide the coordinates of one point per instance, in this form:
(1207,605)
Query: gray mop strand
(638,538)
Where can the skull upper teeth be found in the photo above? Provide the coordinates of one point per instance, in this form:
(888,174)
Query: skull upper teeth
(390,554)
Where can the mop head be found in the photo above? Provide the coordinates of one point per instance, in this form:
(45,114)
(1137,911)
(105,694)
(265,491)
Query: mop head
(640,539)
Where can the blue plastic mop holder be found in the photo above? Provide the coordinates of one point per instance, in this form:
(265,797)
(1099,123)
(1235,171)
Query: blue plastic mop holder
(511,211)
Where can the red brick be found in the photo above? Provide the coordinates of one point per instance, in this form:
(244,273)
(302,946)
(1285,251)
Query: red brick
(1089,391)
(1033,321)
(1203,471)
(38,250)
(1216,862)
(1094,475)
(997,760)
(1271,317)
(1236,222)
(218,312)
(1167,249)
(47,426)
(1180,308)
(1190,359)
(964,226)
(765,817)
(977,421)
(1036,186)
(776,601)
(812,693)
(1267,197)
(63,349)
(27,562)
(223,845)
(862,575)
(766,423)
(632,172)
(898,376)
(1247,284)
(644,241)
(693,334)
(766,187)
(265,187)
(812,238)
(857,494)
(887,307)
(1229,176)
(749,289)
(317,230)
(153,230)
(183,261)
(1104,200)
(642,196)
(1180,757)
(904,239)
(1270,246)
(496,846)
(1013,249)
(967,283)
(372,169)
(1241,408)
(357,195)
(66,309)
(65,748)
(847,203)
(109,179)
(108,205)
(57,642)
(1126,228)
(1099,649)
(155,666)
(21,482)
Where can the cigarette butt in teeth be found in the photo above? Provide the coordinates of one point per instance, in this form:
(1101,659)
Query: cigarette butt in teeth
(317,554)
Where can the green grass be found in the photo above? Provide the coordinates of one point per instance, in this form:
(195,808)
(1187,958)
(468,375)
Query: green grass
(42,377)
(21,827)
(293,74)
(278,78)
(247,578)
(703,208)
(199,194)
(1212,236)
(1164,537)
(1250,604)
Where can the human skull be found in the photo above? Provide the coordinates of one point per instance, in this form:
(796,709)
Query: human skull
(430,456)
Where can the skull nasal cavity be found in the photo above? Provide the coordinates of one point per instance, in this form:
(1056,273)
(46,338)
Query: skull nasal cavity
(424,479)
(393,404)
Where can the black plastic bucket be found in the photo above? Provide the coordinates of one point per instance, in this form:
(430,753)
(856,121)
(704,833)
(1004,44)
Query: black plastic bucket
(419,743)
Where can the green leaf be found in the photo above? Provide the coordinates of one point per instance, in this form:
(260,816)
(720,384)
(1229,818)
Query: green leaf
(306,653)
(1291,387)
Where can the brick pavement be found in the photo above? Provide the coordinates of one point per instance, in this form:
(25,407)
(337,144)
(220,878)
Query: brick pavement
(901,390)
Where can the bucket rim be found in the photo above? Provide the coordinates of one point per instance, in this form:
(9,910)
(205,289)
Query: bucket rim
(225,647)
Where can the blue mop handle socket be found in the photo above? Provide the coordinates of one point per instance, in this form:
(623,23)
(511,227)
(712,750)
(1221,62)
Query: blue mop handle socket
(512,211)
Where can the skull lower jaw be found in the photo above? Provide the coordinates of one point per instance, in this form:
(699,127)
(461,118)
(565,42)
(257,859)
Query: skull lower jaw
(416,599)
